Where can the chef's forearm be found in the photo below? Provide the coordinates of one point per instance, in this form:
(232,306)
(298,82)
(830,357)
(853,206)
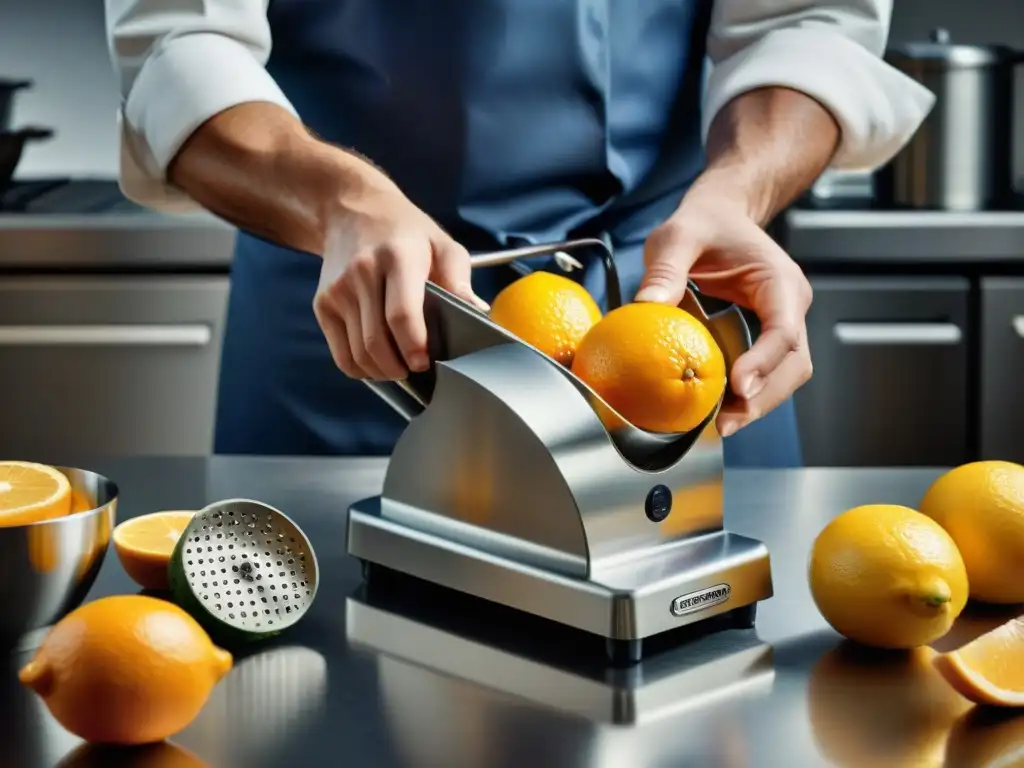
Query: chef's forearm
(766,147)
(256,166)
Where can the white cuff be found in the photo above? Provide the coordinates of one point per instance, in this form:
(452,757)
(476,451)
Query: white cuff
(878,108)
(186,82)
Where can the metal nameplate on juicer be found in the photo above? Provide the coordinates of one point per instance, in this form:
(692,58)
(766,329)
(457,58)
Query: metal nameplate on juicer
(507,485)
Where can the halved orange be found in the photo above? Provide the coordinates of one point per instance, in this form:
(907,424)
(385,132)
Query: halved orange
(32,492)
(990,669)
(144,545)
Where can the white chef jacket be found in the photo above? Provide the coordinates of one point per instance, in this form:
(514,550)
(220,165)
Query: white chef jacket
(181,62)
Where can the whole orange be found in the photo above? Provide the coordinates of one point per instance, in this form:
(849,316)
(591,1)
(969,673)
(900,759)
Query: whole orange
(126,670)
(657,365)
(547,311)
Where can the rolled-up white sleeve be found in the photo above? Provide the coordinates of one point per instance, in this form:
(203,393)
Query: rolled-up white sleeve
(179,63)
(831,51)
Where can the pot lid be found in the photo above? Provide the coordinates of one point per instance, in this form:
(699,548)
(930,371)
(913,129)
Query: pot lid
(941,50)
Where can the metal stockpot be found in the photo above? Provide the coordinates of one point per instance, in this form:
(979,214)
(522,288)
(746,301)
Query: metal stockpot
(961,159)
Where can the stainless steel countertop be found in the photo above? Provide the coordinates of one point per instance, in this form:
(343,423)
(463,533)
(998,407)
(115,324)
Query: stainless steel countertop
(388,678)
(124,240)
(885,237)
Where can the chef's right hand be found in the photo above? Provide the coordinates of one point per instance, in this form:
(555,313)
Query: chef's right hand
(379,251)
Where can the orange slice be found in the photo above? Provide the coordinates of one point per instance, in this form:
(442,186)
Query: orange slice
(144,546)
(32,492)
(990,669)
(81,501)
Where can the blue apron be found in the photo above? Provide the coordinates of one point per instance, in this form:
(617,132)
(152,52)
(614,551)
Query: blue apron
(509,122)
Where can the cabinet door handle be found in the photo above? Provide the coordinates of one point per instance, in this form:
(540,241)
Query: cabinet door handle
(1018,325)
(185,335)
(885,334)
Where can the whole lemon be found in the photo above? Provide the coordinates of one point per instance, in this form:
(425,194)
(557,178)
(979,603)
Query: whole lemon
(547,311)
(981,505)
(887,576)
(126,670)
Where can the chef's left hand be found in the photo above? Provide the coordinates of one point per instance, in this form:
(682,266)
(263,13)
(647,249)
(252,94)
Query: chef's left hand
(714,239)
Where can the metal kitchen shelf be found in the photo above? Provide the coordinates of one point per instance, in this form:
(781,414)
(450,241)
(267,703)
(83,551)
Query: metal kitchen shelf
(882,237)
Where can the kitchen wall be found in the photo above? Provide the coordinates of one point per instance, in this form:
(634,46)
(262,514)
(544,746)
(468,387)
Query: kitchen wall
(61,44)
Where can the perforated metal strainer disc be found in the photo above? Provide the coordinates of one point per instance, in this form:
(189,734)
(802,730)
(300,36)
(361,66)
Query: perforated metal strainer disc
(244,567)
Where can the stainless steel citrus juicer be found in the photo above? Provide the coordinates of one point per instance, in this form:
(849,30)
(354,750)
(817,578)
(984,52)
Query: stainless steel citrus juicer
(507,485)
(244,570)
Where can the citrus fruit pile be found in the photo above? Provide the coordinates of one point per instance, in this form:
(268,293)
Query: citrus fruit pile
(658,366)
(122,670)
(889,576)
(32,493)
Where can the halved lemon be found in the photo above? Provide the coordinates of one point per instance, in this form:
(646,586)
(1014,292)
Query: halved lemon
(32,492)
(144,545)
(989,669)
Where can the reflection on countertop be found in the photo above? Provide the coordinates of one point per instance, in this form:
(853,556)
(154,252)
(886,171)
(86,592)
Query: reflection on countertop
(457,692)
(268,694)
(890,709)
(161,755)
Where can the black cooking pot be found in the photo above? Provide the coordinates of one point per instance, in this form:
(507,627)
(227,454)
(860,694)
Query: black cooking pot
(8,90)
(12,145)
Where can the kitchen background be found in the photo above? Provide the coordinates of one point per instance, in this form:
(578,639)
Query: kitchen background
(110,317)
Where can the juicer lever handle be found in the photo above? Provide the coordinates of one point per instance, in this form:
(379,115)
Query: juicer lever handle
(455,328)
(398,395)
(591,247)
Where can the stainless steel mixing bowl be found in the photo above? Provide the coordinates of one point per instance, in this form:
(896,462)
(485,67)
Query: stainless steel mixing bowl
(47,568)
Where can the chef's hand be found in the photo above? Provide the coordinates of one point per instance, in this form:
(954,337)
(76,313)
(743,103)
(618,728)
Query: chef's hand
(379,251)
(712,239)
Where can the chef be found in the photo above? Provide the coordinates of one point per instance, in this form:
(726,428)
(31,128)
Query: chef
(365,146)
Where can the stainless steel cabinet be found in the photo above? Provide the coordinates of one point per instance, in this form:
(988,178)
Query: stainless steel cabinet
(891,372)
(98,365)
(1002,368)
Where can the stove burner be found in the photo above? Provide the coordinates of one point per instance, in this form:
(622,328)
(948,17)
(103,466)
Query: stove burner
(64,196)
